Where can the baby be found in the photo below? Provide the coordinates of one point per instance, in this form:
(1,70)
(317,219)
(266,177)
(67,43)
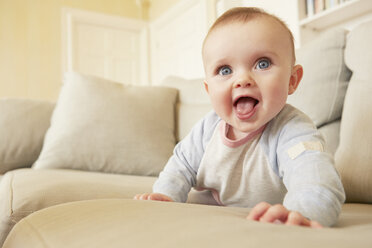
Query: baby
(254,150)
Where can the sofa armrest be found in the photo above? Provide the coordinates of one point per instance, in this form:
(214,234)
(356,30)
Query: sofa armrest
(129,223)
(25,191)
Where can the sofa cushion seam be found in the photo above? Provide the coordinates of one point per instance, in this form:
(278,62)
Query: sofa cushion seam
(336,96)
(11,196)
(37,233)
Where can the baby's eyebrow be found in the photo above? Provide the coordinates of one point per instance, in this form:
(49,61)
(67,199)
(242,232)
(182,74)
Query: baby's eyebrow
(264,53)
(221,61)
(218,63)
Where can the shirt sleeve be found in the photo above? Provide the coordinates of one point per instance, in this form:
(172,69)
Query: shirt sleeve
(313,185)
(179,174)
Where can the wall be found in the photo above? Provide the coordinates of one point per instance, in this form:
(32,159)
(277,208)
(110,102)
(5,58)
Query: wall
(30,39)
(176,41)
(30,43)
(158,7)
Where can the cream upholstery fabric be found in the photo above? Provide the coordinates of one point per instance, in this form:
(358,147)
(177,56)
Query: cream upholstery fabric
(193,103)
(331,133)
(354,155)
(322,90)
(25,191)
(99,125)
(23,124)
(140,224)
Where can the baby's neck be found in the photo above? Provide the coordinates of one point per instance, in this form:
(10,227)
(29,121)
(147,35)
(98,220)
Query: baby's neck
(234,134)
(233,138)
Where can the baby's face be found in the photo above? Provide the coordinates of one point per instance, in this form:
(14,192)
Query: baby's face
(248,70)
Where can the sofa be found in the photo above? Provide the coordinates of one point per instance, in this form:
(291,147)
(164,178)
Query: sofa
(70,169)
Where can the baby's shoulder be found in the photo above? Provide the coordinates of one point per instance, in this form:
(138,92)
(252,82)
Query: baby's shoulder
(290,126)
(203,129)
(211,118)
(290,119)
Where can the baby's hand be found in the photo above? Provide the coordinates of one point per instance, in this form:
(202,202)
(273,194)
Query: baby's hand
(153,197)
(264,212)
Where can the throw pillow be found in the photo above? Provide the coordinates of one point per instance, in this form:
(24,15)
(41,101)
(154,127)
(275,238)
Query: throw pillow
(100,125)
(23,124)
(322,90)
(354,157)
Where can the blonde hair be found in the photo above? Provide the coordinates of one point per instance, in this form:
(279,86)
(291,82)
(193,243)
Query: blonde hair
(245,14)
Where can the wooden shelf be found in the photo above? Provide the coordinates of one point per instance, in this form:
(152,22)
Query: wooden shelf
(337,14)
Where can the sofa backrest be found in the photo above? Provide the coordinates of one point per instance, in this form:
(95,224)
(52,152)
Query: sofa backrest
(354,155)
(322,90)
(192,104)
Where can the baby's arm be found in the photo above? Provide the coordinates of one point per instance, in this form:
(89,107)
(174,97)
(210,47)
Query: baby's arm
(179,174)
(314,187)
(264,212)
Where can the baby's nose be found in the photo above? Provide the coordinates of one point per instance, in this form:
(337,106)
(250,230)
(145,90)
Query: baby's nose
(244,81)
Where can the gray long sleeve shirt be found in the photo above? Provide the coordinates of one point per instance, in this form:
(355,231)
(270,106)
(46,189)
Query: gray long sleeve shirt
(284,163)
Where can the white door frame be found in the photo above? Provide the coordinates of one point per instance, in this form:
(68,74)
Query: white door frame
(209,12)
(71,16)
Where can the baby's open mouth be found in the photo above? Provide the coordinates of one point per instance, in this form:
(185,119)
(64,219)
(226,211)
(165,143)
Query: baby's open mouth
(245,105)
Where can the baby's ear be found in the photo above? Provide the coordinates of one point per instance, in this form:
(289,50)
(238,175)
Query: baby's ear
(295,79)
(206,86)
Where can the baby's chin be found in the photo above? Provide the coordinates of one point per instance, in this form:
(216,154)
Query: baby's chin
(245,128)
(246,131)
(249,126)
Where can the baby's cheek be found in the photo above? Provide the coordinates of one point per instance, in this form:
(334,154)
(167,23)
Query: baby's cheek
(221,100)
(278,95)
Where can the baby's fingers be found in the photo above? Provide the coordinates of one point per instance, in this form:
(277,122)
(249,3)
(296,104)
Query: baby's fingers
(141,197)
(153,197)
(159,197)
(258,210)
(315,224)
(296,219)
(276,213)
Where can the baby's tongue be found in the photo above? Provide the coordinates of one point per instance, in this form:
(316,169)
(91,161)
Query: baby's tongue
(245,105)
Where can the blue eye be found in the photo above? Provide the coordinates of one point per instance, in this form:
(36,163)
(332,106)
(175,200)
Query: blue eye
(224,70)
(263,64)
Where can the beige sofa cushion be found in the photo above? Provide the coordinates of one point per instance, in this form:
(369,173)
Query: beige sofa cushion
(193,102)
(23,124)
(354,155)
(331,134)
(100,125)
(322,90)
(25,191)
(143,224)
